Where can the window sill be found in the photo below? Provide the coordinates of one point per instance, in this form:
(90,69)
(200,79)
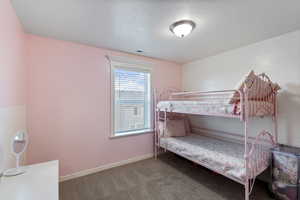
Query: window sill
(132,133)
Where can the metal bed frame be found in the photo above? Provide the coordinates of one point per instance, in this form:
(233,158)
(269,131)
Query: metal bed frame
(264,139)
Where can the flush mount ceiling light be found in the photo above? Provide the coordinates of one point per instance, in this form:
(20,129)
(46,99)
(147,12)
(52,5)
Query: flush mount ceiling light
(182,28)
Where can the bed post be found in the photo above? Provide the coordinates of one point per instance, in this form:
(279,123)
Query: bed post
(155,123)
(165,126)
(246,156)
(275,117)
(156,135)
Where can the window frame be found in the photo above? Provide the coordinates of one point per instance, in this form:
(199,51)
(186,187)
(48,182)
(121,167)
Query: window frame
(136,67)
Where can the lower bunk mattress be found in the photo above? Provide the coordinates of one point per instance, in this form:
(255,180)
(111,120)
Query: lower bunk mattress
(222,156)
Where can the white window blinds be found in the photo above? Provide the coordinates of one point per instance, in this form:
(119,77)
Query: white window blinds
(132,100)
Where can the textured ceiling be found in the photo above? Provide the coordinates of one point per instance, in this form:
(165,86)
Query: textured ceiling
(129,25)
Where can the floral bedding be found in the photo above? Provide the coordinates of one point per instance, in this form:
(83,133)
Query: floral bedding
(222,156)
(195,107)
(256,108)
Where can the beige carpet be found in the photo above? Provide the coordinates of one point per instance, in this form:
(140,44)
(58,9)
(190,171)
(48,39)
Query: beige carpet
(168,178)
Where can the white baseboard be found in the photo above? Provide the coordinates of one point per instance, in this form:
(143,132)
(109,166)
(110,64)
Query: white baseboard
(104,167)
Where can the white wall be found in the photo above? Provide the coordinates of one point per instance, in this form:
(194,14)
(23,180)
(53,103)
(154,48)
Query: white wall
(278,57)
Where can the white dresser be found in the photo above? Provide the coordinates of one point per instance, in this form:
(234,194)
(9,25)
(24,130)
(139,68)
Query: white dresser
(40,182)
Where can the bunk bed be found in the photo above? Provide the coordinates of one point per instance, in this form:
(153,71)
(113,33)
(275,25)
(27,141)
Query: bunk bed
(241,158)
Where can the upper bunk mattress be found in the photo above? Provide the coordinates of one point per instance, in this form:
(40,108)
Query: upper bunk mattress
(219,155)
(255,108)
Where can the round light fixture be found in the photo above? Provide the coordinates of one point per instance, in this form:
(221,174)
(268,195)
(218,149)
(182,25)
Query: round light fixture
(182,28)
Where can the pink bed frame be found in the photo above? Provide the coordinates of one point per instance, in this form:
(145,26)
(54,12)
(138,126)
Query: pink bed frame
(258,144)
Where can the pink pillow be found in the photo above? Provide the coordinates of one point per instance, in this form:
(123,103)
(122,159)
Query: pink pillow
(174,128)
(187,125)
(160,128)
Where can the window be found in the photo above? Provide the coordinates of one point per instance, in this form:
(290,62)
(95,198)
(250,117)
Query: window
(131,106)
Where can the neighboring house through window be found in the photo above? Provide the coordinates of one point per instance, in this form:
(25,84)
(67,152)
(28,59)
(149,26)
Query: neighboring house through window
(131,99)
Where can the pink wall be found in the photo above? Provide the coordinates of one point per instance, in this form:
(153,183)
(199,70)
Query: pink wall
(12,81)
(12,57)
(68,105)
